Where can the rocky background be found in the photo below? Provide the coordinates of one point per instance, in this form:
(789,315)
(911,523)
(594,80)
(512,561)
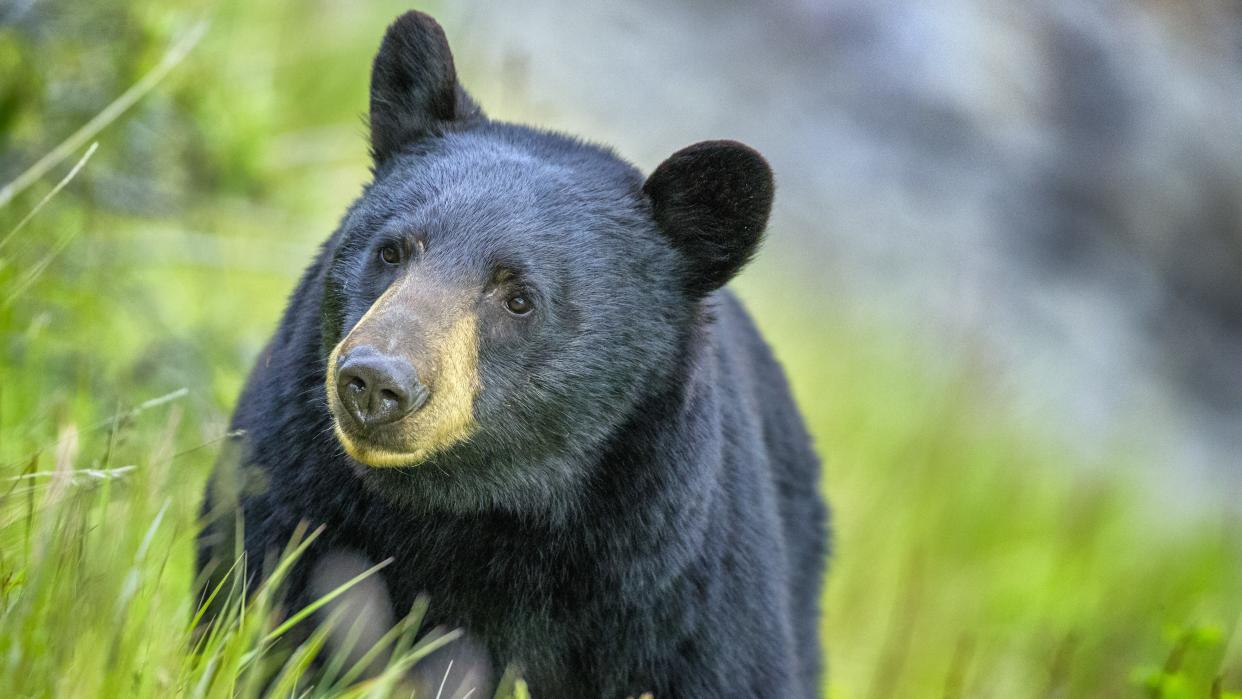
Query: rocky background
(1051,190)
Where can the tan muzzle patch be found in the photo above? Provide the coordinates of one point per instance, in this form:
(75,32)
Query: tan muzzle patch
(448,363)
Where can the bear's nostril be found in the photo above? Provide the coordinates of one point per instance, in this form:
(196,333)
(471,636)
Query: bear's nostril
(389,396)
(421,394)
(357,385)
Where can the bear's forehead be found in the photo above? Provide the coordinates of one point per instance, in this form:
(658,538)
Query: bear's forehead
(491,188)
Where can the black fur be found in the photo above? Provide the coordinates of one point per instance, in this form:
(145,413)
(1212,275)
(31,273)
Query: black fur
(638,508)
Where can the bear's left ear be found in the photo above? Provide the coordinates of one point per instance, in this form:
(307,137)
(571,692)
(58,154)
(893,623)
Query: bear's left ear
(414,88)
(712,200)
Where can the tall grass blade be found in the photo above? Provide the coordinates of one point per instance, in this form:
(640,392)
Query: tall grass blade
(55,190)
(116,108)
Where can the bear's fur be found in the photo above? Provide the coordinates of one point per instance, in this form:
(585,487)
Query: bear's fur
(628,502)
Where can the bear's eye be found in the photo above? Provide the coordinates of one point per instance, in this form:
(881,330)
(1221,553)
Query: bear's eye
(519,305)
(390,254)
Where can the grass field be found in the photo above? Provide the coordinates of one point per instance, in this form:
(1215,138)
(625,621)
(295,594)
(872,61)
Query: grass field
(975,556)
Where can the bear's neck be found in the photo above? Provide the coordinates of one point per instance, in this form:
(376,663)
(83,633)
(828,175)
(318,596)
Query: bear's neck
(657,487)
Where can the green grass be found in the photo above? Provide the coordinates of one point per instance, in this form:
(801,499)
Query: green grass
(974,555)
(976,558)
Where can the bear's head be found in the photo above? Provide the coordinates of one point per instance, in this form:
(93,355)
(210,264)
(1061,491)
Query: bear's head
(500,301)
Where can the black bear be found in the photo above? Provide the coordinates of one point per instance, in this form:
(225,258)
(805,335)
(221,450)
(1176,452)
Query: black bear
(513,371)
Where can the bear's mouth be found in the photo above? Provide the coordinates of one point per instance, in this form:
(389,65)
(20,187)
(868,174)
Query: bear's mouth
(371,449)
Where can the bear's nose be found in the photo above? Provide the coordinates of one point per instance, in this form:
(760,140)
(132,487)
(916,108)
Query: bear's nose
(376,388)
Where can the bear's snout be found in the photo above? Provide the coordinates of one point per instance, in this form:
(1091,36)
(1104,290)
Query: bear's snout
(378,389)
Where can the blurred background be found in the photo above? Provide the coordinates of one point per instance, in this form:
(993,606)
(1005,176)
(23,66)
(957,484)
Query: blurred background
(1004,272)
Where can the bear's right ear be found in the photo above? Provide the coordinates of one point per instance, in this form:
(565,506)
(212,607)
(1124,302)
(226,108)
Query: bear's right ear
(712,201)
(414,89)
